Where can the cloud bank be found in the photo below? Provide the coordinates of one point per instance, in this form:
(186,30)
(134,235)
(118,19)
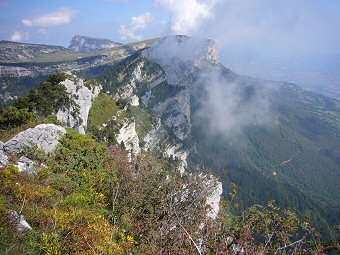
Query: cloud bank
(229,104)
(286,27)
(223,102)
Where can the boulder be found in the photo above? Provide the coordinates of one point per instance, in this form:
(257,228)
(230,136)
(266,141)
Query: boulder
(45,136)
(19,220)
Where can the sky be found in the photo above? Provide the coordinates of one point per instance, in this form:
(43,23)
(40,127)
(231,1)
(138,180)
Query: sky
(285,26)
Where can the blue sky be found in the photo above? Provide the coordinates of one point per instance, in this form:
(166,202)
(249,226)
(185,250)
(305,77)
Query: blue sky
(271,25)
(98,18)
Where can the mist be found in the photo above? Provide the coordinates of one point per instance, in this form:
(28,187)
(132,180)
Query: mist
(287,27)
(259,38)
(224,101)
(229,105)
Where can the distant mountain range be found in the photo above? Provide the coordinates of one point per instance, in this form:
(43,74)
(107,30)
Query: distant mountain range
(86,44)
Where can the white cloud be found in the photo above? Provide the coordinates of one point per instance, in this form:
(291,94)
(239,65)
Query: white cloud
(187,15)
(272,27)
(18,36)
(137,23)
(127,34)
(142,21)
(62,16)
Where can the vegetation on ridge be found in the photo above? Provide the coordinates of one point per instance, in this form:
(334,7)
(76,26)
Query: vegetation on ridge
(87,199)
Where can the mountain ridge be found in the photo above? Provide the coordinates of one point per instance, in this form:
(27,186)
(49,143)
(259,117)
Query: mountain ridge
(166,96)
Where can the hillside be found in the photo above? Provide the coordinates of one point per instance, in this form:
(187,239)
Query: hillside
(63,192)
(173,97)
(11,52)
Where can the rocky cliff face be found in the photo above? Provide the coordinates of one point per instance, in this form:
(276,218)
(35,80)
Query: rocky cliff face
(128,135)
(160,79)
(87,44)
(154,80)
(81,97)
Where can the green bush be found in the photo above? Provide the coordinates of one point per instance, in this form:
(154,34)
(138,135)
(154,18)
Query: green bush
(13,117)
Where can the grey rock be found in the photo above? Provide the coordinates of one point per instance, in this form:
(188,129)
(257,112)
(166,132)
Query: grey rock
(19,220)
(45,136)
(3,157)
(81,96)
(26,165)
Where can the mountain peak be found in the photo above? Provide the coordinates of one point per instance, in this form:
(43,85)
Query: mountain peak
(86,44)
(182,48)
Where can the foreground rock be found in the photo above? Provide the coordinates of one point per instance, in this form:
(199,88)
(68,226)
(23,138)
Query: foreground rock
(20,222)
(3,157)
(45,136)
(26,165)
(213,200)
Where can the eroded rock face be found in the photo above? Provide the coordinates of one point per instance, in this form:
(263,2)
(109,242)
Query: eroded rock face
(45,136)
(81,96)
(127,91)
(127,135)
(177,152)
(179,55)
(134,101)
(177,112)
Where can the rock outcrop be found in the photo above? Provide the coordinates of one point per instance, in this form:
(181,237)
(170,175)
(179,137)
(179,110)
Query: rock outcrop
(26,165)
(44,136)
(214,198)
(20,221)
(128,136)
(177,152)
(81,98)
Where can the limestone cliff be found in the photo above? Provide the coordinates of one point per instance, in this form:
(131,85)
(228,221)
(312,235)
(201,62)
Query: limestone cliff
(81,97)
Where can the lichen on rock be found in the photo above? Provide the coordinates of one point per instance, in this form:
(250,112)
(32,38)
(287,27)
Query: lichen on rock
(45,136)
